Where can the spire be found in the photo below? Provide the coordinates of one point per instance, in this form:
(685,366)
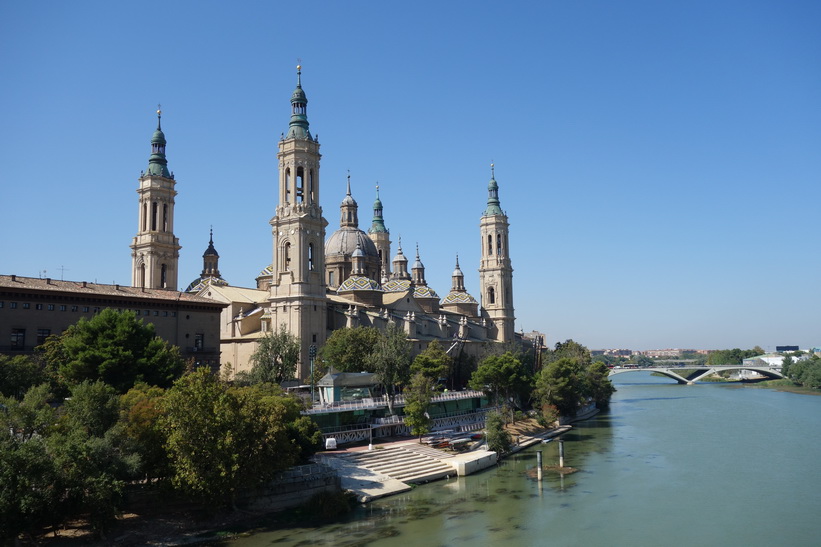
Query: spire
(378,223)
(298,128)
(418,270)
(492,195)
(157,163)
(400,264)
(210,259)
(457,278)
(349,210)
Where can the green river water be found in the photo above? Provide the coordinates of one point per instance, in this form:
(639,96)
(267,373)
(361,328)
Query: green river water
(708,464)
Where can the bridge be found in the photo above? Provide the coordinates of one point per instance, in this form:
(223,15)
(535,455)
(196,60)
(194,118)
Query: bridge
(697,373)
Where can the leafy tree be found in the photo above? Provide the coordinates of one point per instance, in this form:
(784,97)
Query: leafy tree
(222,440)
(347,350)
(32,416)
(417,402)
(570,350)
(597,384)
(27,475)
(391,361)
(502,377)
(275,359)
(140,412)
(89,452)
(115,347)
(497,437)
(433,363)
(17,374)
(561,384)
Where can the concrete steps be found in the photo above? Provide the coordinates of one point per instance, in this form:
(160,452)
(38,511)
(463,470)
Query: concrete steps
(405,463)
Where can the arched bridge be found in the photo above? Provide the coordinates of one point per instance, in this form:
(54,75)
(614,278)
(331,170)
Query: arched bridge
(696,373)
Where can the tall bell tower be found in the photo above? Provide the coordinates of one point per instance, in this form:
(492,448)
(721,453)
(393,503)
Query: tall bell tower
(155,251)
(495,271)
(298,286)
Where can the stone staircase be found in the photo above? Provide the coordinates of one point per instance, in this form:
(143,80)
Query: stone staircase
(406,463)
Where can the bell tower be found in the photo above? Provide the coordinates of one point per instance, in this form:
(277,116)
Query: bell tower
(155,251)
(298,286)
(381,237)
(495,271)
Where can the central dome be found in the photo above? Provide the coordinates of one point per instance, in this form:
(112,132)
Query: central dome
(345,240)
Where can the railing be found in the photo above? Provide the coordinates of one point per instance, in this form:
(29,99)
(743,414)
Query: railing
(381,402)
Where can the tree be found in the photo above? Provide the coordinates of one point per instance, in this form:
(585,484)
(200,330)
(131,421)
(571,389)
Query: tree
(502,377)
(497,437)
(275,359)
(115,347)
(597,384)
(17,374)
(561,384)
(433,363)
(417,402)
(140,412)
(90,454)
(390,360)
(347,350)
(222,440)
(570,350)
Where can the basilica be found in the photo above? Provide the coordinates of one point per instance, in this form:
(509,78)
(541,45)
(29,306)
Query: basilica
(317,283)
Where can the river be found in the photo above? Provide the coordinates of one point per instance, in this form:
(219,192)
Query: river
(707,464)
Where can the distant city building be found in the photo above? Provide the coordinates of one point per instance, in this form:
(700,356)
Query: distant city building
(786,348)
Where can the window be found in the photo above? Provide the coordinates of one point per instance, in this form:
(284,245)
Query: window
(51,307)
(331,279)
(26,305)
(165,313)
(287,257)
(38,306)
(287,185)
(310,257)
(63,307)
(173,314)
(163,276)
(489,244)
(18,339)
(13,305)
(498,244)
(300,175)
(491,295)
(156,313)
(85,309)
(145,215)
(1,304)
(42,334)
(154,217)
(164,217)
(199,341)
(73,308)
(146,312)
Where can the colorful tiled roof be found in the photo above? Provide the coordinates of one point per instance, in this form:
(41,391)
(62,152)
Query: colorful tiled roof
(459,298)
(358,283)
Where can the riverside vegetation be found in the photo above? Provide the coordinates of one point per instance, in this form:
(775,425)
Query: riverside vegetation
(108,406)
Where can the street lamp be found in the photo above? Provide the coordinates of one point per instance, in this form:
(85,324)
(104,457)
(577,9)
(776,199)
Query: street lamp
(312,355)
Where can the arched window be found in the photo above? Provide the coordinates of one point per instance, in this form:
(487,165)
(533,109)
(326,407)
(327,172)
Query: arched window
(491,295)
(489,244)
(154,216)
(145,216)
(286,257)
(311,197)
(165,217)
(164,276)
(142,276)
(300,176)
(310,257)
(498,244)
(287,185)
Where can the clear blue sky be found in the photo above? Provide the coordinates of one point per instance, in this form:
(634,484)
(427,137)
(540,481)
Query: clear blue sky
(659,161)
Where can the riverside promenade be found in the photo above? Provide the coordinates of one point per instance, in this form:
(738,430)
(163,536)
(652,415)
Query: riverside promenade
(392,466)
